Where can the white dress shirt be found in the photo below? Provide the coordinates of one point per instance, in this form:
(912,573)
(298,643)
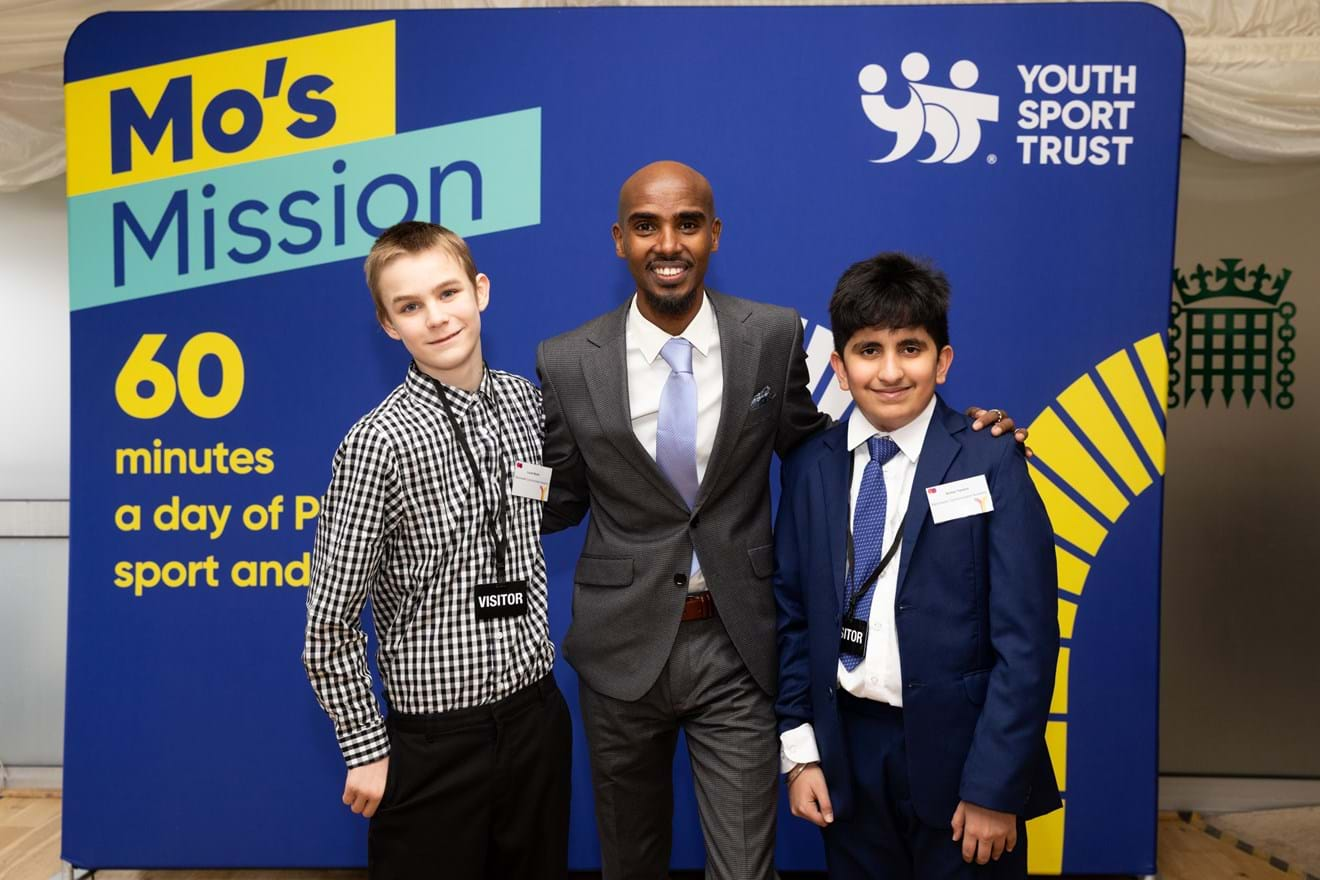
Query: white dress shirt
(879,676)
(648,373)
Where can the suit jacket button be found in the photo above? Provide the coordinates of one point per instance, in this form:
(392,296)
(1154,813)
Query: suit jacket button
(830,691)
(680,580)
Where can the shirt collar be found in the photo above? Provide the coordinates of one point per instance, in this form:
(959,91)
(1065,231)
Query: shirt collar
(423,387)
(647,338)
(909,438)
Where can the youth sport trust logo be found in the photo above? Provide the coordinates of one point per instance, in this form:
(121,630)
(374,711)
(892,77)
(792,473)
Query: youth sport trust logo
(951,116)
(1067,114)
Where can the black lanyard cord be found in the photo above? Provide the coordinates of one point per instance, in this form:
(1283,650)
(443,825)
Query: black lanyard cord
(856,591)
(497,526)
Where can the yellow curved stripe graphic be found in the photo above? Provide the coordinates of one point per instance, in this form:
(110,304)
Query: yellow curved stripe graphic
(1070,471)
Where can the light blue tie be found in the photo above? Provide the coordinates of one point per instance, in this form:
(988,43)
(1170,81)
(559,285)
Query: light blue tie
(868,530)
(676,434)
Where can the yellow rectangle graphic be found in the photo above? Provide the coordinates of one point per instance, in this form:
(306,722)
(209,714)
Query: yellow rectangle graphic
(231,107)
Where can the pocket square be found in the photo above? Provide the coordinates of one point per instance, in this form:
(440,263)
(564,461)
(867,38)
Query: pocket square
(764,396)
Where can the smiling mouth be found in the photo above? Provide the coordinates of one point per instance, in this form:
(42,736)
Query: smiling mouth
(443,339)
(892,393)
(669,272)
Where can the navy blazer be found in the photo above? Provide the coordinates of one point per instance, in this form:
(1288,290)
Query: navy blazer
(975,611)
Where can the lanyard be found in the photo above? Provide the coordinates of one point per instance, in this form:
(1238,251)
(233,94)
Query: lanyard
(858,589)
(498,526)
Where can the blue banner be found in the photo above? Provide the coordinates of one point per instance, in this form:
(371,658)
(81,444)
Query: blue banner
(228,171)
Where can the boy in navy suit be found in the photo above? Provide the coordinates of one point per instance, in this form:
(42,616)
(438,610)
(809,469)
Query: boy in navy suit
(916,594)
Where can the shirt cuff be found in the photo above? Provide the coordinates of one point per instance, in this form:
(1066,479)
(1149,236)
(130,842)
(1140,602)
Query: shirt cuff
(797,746)
(365,745)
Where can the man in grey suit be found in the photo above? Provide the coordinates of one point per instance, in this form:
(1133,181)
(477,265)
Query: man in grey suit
(673,612)
(661,417)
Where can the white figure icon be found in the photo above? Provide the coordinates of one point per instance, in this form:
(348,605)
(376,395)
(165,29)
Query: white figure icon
(952,116)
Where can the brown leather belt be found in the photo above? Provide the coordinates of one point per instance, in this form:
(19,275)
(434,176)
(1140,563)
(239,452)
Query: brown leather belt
(698,606)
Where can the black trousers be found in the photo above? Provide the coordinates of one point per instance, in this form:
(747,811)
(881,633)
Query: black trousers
(884,836)
(477,793)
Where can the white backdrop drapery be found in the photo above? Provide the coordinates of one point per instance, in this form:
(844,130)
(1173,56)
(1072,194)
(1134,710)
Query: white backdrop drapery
(1253,70)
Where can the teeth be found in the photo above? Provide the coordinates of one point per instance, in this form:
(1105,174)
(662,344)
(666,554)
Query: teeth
(668,271)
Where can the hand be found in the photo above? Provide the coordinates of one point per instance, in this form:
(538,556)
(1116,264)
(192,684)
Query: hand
(365,786)
(809,797)
(998,421)
(985,834)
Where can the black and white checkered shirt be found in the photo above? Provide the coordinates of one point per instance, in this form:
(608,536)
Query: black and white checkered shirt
(405,522)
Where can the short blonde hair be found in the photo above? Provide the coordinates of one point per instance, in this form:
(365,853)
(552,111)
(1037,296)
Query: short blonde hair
(413,237)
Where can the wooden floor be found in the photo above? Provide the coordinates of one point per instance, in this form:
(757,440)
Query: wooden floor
(30,847)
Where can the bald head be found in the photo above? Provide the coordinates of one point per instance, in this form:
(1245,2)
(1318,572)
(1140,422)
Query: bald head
(667,230)
(665,176)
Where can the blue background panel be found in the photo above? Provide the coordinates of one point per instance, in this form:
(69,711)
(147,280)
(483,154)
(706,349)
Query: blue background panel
(192,737)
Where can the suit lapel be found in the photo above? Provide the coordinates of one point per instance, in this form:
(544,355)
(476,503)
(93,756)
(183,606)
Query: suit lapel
(605,364)
(835,489)
(739,359)
(938,451)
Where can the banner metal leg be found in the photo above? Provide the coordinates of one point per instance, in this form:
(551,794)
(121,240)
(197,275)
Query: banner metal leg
(69,872)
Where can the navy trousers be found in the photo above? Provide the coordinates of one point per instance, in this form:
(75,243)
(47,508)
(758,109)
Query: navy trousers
(884,838)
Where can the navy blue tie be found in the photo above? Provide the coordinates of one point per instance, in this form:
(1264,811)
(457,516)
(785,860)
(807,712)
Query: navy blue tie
(868,530)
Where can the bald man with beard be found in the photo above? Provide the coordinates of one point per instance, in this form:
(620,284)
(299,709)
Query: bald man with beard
(661,418)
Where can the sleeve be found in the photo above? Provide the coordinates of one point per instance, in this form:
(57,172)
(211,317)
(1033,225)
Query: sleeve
(799,418)
(793,698)
(798,746)
(569,496)
(1024,639)
(360,510)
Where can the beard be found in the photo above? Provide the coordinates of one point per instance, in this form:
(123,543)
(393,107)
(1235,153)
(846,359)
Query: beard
(671,305)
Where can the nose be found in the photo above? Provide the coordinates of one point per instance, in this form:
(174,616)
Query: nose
(667,241)
(890,369)
(435,315)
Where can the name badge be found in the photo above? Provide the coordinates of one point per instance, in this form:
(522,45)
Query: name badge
(531,480)
(852,639)
(961,498)
(498,601)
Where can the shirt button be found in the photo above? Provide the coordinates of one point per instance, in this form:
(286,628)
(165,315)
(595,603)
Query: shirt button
(874,680)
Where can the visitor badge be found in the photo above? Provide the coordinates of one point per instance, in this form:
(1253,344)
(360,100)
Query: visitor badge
(531,480)
(500,601)
(969,497)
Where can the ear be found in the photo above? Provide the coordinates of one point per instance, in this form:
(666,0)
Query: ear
(942,364)
(617,231)
(388,328)
(715,227)
(836,362)
(483,291)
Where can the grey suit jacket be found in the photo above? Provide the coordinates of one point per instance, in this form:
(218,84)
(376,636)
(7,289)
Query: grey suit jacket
(631,578)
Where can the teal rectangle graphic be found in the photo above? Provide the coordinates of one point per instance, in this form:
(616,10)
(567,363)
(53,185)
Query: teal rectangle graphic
(476,177)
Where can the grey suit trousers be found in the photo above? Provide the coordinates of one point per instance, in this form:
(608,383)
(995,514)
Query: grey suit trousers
(729,721)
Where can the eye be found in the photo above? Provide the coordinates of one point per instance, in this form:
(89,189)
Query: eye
(689,226)
(449,294)
(408,307)
(643,227)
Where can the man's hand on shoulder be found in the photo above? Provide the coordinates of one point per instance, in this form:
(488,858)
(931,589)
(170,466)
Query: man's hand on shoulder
(985,834)
(999,422)
(809,797)
(365,786)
